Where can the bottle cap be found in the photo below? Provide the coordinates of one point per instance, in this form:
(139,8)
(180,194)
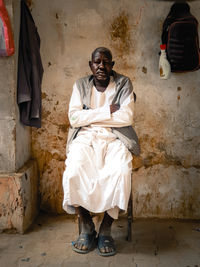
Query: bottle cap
(163,46)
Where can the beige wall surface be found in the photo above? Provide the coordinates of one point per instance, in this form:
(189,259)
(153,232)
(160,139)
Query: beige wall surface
(15,139)
(18,174)
(166,175)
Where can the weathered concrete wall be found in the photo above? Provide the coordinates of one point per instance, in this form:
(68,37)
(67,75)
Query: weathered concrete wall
(18,189)
(15,148)
(23,133)
(19,198)
(166,112)
(7,109)
(162,191)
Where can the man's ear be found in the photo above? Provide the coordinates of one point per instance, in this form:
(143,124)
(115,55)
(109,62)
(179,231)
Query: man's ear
(90,63)
(113,63)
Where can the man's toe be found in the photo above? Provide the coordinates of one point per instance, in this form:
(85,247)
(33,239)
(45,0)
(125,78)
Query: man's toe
(107,249)
(84,247)
(106,246)
(84,243)
(102,250)
(80,245)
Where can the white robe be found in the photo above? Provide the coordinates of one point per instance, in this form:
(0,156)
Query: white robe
(98,165)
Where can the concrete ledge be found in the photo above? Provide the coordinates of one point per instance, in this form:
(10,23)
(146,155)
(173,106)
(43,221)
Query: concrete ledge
(166,192)
(19,198)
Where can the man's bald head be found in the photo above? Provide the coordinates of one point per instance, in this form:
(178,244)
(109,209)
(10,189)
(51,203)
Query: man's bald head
(103,50)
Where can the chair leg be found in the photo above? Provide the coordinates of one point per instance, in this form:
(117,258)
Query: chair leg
(79,224)
(129,219)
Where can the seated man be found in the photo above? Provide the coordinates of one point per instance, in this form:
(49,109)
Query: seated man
(97,177)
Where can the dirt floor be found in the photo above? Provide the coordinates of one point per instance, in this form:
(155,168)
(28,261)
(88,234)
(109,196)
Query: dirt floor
(154,243)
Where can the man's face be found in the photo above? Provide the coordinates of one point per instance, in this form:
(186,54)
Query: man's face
(101,66)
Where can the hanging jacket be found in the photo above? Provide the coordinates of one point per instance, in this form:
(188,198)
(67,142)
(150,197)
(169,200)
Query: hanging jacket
(30,70)
(180,34)
(123,89)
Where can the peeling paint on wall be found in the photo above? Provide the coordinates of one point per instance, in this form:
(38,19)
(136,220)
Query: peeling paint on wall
(48,145)
(19,198)
(180,201)
(120,33)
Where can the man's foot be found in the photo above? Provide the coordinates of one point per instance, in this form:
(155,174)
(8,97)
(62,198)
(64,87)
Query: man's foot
(87,237)
(84,243)
(106,246)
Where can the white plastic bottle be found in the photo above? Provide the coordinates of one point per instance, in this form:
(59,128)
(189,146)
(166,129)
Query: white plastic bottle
(164,65)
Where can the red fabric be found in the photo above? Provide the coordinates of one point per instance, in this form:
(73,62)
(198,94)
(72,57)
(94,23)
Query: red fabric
(10,47)
(163,46)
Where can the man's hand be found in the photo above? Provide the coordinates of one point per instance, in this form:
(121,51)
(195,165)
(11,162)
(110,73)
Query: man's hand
(114,107)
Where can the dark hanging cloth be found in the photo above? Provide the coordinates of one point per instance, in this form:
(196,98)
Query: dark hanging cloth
(30,71)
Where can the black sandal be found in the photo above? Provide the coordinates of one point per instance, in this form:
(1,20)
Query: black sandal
(87,240)
(106,241)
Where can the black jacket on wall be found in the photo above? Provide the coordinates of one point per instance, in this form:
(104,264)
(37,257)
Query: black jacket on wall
(30,70)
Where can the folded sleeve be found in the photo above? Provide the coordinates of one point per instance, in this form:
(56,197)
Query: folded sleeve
(79,117)
(122,117)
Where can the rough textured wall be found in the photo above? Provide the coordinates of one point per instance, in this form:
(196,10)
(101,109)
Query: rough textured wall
(7,109)
(23,133)
(18,185)
(15,139)
(19,198)
(166,112)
